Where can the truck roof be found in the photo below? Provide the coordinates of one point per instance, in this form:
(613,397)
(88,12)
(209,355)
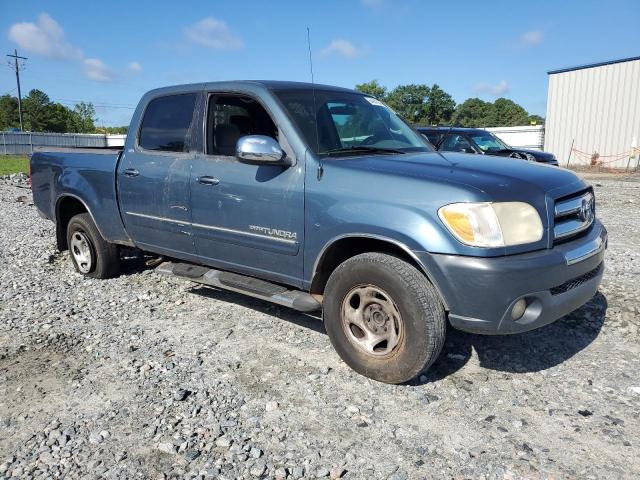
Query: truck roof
(273,85)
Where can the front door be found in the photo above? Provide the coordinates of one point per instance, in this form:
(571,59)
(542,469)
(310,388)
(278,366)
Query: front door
(153,178)
(248,218)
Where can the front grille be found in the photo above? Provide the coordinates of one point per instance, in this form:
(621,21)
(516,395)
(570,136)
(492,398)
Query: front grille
(576,282)
(573,215)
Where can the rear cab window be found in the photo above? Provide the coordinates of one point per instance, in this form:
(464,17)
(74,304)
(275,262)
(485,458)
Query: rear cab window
(166,123)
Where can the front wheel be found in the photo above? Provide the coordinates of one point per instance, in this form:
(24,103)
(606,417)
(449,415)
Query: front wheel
(91,254)
(383,317)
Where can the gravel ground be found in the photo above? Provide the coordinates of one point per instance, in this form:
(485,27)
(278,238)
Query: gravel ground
(150,377)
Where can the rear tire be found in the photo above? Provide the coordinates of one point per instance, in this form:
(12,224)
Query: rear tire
(91,254)
(383,317)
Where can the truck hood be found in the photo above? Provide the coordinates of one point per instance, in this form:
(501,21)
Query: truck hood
(498,178)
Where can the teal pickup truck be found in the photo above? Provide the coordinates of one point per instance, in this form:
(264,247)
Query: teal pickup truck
(317,197)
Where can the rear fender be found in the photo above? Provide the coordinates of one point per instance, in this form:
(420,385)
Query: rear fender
(96,191)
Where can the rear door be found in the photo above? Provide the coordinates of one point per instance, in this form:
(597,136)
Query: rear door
(154,175)
(248,218)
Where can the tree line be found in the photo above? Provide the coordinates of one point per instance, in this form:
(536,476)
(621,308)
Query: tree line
(418,103)
(41,114)
(430,105)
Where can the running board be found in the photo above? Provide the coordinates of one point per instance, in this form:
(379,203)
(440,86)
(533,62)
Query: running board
(254,287)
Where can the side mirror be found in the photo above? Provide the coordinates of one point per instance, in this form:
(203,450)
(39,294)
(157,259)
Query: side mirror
(260,150)
(468,150)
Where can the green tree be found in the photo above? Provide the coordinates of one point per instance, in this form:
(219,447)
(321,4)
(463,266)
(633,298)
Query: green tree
(440,106)
(510,114)
(58,118)
(9,117)
(474,112)
(410,101)
(37,111)
(82,118)
(373,88)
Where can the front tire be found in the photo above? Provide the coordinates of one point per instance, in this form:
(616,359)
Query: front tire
(383,317)
(91,254)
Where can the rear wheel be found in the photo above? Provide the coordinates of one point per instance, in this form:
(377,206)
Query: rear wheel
(90,254)
(384,318)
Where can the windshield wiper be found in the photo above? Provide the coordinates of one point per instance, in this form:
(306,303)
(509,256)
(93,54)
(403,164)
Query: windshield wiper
(364,148)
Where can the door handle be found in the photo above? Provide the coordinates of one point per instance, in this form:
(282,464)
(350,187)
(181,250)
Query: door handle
(131,172)
(208,180)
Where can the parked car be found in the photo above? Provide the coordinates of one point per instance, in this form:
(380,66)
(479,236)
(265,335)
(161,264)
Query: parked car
(483,142)
(317,197)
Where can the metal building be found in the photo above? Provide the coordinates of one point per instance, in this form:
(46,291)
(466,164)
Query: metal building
(593,114)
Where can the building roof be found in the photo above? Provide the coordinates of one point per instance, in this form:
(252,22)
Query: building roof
(591,65)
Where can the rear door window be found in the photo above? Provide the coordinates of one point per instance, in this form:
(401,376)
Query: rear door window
(166,123)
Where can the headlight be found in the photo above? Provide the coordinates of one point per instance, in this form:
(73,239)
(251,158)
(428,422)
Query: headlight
(499,224)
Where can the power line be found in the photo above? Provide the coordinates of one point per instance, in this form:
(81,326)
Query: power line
(108,105)
(17,69)
(68,101)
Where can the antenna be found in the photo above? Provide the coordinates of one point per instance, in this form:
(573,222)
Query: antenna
(315,107)
(310,57)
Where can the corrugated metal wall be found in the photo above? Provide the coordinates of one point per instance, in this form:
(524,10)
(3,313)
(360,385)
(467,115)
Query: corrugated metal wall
(598,109)
(24,143)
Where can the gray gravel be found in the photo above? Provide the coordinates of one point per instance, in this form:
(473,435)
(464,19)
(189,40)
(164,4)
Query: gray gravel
(149,377)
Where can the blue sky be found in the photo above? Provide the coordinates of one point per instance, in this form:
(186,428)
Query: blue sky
(111,53)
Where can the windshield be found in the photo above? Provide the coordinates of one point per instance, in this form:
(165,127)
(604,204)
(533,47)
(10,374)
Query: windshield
(349,123)
(489,142)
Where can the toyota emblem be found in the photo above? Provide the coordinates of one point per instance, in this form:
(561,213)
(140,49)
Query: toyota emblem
(586,211)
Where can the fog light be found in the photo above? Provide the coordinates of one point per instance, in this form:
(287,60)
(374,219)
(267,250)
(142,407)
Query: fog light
(518,309)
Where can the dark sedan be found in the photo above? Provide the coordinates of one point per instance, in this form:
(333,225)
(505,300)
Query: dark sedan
(476,140)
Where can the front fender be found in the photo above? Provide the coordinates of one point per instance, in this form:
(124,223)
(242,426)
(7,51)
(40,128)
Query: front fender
(411,228)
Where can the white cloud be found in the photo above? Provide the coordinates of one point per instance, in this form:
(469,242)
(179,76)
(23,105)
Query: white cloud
(341,47)
(134,67)
(44,37)
(531,38)
(213,33)
(96,70)
(496,90)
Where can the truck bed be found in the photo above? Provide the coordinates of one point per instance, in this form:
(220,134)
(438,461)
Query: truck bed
(86,175)
(97,150)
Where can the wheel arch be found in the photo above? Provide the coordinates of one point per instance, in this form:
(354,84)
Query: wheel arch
(344,247)
(68,206)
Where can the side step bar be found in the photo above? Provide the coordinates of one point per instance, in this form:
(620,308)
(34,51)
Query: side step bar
(254,287)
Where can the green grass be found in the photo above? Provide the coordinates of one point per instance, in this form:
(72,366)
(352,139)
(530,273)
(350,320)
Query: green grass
(13,164)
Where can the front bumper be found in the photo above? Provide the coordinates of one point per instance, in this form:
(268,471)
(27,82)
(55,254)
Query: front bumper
(480,292)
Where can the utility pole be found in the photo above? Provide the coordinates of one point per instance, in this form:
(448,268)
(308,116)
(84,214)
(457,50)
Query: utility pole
(17,69)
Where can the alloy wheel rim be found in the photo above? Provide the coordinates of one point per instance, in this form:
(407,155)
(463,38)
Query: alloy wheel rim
(371,320)
(81,251)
